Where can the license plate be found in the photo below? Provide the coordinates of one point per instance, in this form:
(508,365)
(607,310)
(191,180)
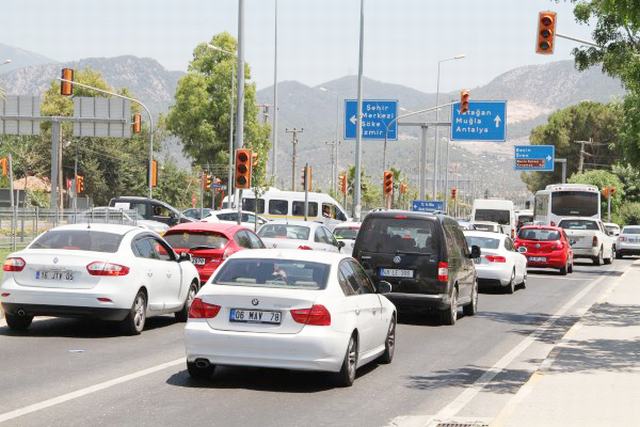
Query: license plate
(197,261)
(255,316)
(396,272)
(538,259)
(54,275)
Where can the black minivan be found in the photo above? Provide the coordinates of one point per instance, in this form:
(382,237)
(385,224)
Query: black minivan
(424,257)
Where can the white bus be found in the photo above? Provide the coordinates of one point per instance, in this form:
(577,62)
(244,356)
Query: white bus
(559,201)
(278,204)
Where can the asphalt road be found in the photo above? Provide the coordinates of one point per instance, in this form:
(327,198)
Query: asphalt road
(66,372)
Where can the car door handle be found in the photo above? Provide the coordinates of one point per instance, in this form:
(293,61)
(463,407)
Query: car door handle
(149,273)
(357,312)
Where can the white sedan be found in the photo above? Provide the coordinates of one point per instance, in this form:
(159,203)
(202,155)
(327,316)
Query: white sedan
(500,263)
(105,271)
(247,219)
(289,309)
(283,234)
(347,232)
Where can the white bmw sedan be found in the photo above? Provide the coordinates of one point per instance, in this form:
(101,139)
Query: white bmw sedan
(290,309)
(500,264)
(105,271)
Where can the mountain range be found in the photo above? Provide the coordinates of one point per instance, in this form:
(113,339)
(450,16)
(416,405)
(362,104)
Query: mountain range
(532,92)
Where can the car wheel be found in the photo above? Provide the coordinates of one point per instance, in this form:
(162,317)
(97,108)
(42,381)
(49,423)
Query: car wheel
(449,315)
(619,255)
(599,260)
(133,324)
(472,308)
(18,323)
(523,285)
(200,372)
(610,259)
(183,314)
(347,374)
(564,270)
(570,268)
(390,342)
(511,287)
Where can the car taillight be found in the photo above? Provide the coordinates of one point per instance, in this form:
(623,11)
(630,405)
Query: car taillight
(202,310)
(621,238)
(513,234)
(317,315)
(13,264)
(443,271)
(305,248)
(102,268)
(495,258)
(594,242)
(552,223)
(227,253)
(558,245)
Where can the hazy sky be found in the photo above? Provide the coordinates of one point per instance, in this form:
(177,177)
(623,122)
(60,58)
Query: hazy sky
(318,39)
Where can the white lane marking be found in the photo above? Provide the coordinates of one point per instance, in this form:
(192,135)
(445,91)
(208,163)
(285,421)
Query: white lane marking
(86,391)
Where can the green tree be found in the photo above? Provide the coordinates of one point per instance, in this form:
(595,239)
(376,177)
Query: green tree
(601,179)
(629,214)
(580,122)
(200,115)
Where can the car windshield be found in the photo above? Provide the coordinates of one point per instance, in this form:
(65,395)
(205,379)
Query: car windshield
(79,240)
(273,273)
(346,233)
(538,234)
(611,228)
(578,224)
(493,215)
(191,239)
(284,231)
(483,242)
(391,235)
(631,230)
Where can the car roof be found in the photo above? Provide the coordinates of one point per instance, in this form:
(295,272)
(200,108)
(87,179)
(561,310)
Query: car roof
(348,224)
(578,218)
(540,227)
(396,213)
(220,227)
(293,254)
(485,222)
(107,228)
(488,234)
(295,222)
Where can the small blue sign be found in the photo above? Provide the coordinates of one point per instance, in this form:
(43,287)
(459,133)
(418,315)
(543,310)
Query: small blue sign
(540,158)
(217,186)
(485,121)
(427,205)
(376,115)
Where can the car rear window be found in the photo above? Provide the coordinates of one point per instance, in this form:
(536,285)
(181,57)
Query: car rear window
(483,242)
(540,235)
(273,273)
(79,240)
(631,230)
(346,233)
(193,239)
(284,231)
(390,235)
(578,224)
(502,217)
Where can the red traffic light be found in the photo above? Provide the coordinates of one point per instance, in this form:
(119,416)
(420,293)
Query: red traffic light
(243,169)
(343,184)
(454,193)
(137,123)
(464,101)
(66,88)
(546,32)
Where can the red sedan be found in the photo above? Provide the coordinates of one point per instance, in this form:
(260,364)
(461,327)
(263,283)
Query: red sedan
(545,247)
(211,243)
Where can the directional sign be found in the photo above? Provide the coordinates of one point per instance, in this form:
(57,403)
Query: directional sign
(539,158)
(485,121)
(376,114)
(427,205)
(20,115)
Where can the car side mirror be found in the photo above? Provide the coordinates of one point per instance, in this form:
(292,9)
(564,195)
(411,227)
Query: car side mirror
(384,287)
(572,242)
(341,244)
(184,256)
(475,252)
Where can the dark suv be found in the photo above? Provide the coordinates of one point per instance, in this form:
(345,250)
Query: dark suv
(150,209)
(424,257)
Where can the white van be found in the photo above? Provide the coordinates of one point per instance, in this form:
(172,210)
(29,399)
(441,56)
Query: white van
(500,211)
(278,204)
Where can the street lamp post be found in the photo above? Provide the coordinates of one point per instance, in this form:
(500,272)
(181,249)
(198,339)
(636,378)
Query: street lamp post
(357,190)
(274,129)
(435,152)
(233,72)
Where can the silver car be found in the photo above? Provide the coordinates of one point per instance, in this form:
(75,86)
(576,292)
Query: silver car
(283,234)
(628,241)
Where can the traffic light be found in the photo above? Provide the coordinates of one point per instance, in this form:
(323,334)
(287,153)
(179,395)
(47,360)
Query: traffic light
(454,193)
(4,164)
(66,88)
(546,32)
(80,184)
(608,191)
(208,181)
(464,101)
(154,173)
(137,123)
(307,178)
(387,183)
(343,183)
(403,188)
(243,169)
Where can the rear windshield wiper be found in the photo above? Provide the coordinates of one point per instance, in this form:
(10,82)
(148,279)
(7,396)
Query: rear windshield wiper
(413,253)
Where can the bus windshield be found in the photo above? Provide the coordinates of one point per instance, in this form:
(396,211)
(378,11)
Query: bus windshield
(574,203)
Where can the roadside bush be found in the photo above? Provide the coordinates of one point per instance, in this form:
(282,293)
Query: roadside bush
(629,214)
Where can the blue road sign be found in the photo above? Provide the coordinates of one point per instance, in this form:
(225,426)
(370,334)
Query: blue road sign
(485,121)
(427,205)
(539,158)
(376,114)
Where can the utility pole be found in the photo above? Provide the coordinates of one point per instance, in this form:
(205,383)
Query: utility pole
(274,128)
(294,141)
(334,162)
(357,186)
(583,152)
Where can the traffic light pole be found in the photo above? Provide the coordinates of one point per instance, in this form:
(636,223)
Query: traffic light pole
(117,95)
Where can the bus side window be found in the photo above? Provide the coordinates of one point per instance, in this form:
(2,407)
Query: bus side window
(278,207)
